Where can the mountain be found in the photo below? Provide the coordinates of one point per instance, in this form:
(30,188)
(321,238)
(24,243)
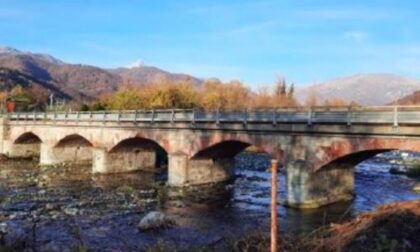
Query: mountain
(9,78)
(140,74)
(412,99)
(365,89)
(78,81)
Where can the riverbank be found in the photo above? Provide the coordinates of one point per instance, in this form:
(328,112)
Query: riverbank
(392,227)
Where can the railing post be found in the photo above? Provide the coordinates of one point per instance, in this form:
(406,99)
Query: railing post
(77,116)
(153,116)
(45,115)
(90,116)
(245,120)
(26,116)
(34,115)
(218,116)
(172,116)
(349,116)
(119,116)
(193,117)
(274,117)
(396,116)
(17,116)
(310,116)
(104,117)
(135,116)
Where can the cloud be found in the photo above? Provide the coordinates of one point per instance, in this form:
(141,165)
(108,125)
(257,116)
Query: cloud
(137,63)
(356,36)
(11,13)
(347,14)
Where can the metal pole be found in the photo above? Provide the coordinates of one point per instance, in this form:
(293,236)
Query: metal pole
(274,222)
(395,116)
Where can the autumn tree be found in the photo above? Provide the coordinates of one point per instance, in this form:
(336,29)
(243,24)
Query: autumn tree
(170,95)
(336,102)
(126,98)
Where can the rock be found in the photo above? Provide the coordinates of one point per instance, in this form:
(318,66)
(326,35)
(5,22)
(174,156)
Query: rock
(70,211)
(416,188)
(49,206)
(155,220)
(4,228)
(398,170)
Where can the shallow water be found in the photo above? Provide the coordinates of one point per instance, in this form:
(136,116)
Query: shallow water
(64,208)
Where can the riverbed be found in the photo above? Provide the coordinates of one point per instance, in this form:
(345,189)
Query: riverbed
(66,208)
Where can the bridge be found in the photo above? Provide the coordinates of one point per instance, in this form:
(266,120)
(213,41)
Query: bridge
(319,147)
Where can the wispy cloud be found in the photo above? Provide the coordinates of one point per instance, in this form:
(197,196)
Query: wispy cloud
(254,27)
(347,13)
(12,13)
(356,36)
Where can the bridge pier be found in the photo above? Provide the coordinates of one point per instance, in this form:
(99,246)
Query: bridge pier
(21,150)
(123,161)
(308,189)
(183,171)
(51,155)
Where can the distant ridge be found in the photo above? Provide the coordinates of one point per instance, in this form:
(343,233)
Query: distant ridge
(365,89)
(78,81)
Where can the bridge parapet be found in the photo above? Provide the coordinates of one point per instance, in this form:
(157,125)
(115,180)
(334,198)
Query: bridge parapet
(393,115)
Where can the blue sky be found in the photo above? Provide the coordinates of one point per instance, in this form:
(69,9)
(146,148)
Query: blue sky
(305,41)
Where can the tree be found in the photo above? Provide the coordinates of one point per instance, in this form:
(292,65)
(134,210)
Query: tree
(336,102)
(312,99)
(124,99)
(291,91)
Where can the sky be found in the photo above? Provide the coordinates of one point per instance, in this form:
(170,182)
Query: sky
(304,41)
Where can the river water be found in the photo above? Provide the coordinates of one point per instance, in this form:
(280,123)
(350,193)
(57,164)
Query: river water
(67,208)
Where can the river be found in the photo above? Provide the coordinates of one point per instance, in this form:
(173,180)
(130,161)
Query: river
(66,208)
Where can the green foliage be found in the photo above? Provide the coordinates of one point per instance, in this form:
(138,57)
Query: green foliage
(98,106)
(125,99)
(84,107)
(383,244)
(171,96)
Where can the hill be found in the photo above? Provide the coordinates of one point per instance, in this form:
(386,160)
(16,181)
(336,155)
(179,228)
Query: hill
(78,81)
(365,89)
(412,99)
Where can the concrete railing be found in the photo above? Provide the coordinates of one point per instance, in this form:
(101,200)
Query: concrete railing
(394,115)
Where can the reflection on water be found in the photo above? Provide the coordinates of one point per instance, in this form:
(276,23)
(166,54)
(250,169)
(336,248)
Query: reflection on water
(67,207)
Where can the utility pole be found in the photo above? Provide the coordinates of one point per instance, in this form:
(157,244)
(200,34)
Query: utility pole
(274,221)
(51,101)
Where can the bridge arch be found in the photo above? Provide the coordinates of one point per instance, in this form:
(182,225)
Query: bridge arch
(72,148)
(215,160)
(26,145)
(73,140)
(136,142)
(28,138)
(327,175)
(130,154)
(356,150)
(223,149)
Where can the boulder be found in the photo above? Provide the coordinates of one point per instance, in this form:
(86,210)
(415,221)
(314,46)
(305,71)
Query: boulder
(155,220)
(416,188)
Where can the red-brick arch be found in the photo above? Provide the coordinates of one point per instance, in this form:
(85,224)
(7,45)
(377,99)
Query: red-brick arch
(139,137)
(28,137)
(230,144)
(73,139)
(355,150)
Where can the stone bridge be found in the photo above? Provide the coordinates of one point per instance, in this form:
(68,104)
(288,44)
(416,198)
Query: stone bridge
(319,147)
